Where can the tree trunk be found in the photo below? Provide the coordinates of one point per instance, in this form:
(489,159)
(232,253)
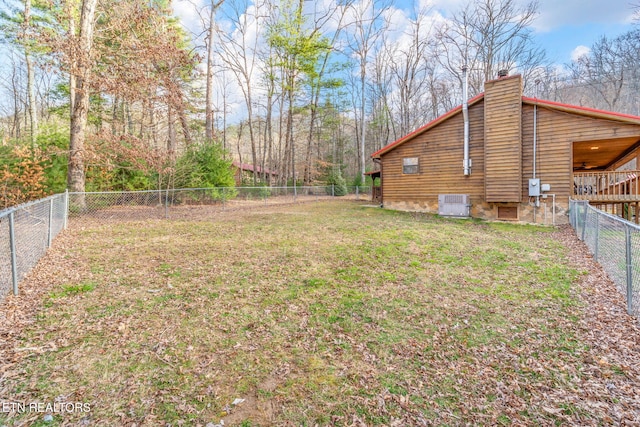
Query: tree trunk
(208,109)
(171,131)
(185,125)
(290,142)
(16,105)
(240,172)
(80,111)
(254,159)
(31,93)
(143,117)
(114,115)
(209,95)
(363,125)
(269,143)
(153,124)
(308,155)
(129,118)
(75,177)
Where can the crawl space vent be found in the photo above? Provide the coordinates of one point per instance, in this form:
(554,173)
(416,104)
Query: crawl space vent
(456,205)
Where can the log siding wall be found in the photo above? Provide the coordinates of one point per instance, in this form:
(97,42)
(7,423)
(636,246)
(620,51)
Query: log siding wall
(502,136)
(440,153)
(557,131)
(440,150)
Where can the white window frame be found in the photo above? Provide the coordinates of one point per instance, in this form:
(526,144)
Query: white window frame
(410,165)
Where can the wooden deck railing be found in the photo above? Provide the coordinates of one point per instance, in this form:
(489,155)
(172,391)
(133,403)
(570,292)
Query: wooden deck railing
(618,186)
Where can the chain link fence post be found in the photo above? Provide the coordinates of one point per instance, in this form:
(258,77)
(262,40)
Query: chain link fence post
(166,204)
(596,237)
(66,208)
(629,270)
(224,197)
(12,247)
(585,207)
(50,230)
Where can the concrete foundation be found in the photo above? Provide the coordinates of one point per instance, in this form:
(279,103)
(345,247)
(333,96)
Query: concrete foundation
(525,212)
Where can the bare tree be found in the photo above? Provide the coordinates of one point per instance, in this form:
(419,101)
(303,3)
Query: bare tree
(14,86)
(316,81)
(31,90)
(410,67)
(238,50)
(487,36)
(609,70)
(363,38)
(382,124)
(209,119)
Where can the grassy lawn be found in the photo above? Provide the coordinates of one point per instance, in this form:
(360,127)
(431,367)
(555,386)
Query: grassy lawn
(329,313)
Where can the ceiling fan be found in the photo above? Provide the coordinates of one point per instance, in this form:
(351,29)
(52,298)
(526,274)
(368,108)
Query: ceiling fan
(584,166)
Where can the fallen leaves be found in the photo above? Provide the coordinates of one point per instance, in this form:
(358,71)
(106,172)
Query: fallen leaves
(291,319)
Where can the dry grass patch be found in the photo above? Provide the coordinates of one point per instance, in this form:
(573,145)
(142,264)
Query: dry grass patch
(323,314)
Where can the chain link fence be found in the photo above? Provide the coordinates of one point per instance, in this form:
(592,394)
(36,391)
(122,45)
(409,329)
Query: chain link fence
(615,245)
(195,203)
(26,232)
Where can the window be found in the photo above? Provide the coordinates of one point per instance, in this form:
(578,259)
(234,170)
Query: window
(410,165)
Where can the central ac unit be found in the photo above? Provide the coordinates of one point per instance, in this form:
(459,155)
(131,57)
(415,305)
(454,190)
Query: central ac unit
(456,205)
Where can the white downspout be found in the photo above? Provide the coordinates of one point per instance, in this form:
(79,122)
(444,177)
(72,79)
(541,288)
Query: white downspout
(535,140)
(465,115)
(535,137)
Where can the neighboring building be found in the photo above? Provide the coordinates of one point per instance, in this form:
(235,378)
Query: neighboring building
(578,153)
(244,174)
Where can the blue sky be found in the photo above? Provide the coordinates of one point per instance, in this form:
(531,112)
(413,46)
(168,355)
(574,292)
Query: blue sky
(561,27)
(564,25)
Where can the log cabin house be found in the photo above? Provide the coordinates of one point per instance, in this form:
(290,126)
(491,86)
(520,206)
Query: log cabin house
(525,158)
(244,172)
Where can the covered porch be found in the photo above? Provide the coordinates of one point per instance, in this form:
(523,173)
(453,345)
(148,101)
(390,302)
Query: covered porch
(376,185)
(607,174)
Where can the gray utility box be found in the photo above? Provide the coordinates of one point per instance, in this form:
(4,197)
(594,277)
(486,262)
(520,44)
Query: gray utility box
(534,187)
(457,205)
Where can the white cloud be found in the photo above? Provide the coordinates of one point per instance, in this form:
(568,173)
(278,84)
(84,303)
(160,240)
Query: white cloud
(556,13)
(449,5)
(187,12)
(579,52)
